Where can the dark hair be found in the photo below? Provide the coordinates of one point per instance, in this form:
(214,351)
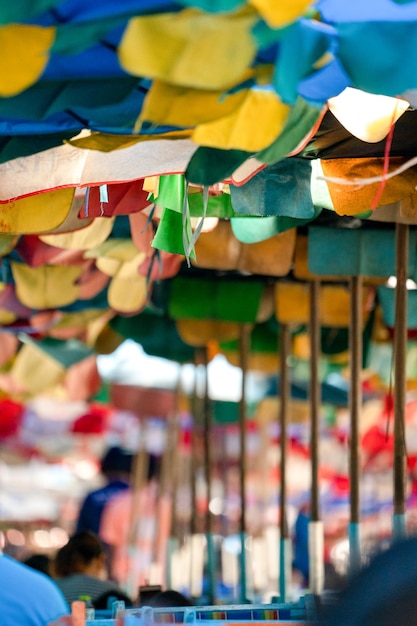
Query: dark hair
(154,466)
(40,562)
(106,599)
(169,598)
(75,555)
(116,459)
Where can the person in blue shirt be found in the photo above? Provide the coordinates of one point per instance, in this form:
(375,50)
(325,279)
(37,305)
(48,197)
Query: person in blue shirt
(300,545)
(116,467)
(28,597)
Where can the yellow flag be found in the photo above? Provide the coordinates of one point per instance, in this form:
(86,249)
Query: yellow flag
(24,55)
(100,336)
(47,286)
(181,106)
(69,322)
(151,185)
(200,332)
(108,266)
(7,243)
(35,371)
(103,142)
(292,304)
(190,48)
(118,249)
(36,214)
(278,14)
(83,239)
(128,290)
(7,317)
(251,127)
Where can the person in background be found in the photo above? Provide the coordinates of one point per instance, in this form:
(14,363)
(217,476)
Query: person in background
(169,598)
(116,467)
(129,527)
(28,597)
(382,593)
(301,562)
(40,562)
(80,572)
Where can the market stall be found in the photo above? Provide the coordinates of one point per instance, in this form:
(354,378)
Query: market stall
(212,178)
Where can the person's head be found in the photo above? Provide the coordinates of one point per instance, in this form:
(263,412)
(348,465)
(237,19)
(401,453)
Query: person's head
(83,554)
(106,599)
(383,593)
(40,562)
(169,598)
(116,462)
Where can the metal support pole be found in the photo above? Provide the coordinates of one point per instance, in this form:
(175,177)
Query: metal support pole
(316,564)
(285,545)
(244,349)
(355,403)
(400,350)
(211,561)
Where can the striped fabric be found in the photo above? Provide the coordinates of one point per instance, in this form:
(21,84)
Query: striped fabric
(77,585)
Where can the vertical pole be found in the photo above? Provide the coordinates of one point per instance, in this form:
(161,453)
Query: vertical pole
(207,472)
(400,349)
(195,411)
(355,402)
(167,501)
(198,541)
(194,457)
(140,463)
(244,347)
(315,534)
(285,544)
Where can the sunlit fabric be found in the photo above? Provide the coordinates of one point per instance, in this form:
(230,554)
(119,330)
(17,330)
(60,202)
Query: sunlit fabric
(178,106)
(18,73)
(252,126)
(279,14)
(198,50)
(36,214)
(125,127)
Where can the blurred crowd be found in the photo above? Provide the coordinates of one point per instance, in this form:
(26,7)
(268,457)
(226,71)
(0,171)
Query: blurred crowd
(106,559)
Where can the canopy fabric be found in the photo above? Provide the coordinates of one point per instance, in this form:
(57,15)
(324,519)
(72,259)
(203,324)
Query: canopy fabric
(68,166)
(221,250)
(200,333)
(292,304)
(222,300)
(349,252)
(145,145)
(143,401)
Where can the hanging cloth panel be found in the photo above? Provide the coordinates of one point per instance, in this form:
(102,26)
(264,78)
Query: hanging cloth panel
(355,252)
(207,299)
